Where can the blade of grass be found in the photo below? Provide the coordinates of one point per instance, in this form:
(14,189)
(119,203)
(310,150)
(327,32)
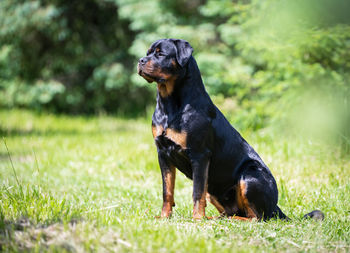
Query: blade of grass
(36,160)
(13,167)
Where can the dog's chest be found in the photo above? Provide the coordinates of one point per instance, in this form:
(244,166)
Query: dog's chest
(172,145)
(178,138)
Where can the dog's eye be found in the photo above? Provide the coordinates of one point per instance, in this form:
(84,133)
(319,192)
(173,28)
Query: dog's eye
(161,54)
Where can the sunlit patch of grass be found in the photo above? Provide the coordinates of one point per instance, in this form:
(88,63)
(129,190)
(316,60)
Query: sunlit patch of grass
(93,184)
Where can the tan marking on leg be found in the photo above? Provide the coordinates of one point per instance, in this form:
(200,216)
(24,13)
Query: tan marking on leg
(157,130)
(240,218)
(239,197)
(199,207)
(168,191)
(180,138)
(213,200)
(242,201)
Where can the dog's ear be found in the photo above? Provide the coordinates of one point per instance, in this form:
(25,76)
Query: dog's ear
(183,51)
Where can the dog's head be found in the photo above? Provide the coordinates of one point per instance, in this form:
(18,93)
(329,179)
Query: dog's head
(165,61)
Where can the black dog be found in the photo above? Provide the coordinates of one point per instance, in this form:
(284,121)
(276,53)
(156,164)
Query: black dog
(191,134)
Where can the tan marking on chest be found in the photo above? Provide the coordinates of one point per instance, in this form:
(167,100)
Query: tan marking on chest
(157,130)
(180,138)
(165,89)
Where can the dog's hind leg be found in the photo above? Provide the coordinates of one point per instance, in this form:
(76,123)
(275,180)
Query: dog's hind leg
(257,194)
(214,201)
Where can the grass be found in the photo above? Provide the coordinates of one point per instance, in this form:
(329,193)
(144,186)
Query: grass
(93,184)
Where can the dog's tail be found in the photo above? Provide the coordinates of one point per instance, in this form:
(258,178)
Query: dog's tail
(315,215)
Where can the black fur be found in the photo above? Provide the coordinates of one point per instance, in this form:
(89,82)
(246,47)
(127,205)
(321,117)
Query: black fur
(216,157)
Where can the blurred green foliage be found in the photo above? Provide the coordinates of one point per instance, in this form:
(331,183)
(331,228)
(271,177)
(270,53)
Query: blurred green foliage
(262,61)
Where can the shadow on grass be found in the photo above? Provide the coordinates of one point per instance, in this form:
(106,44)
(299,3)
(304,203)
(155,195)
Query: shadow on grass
(24,235)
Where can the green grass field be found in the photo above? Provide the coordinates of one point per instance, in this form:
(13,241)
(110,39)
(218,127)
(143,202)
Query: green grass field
(93,184)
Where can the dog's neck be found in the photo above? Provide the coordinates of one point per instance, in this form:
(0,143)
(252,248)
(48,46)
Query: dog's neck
(188,89)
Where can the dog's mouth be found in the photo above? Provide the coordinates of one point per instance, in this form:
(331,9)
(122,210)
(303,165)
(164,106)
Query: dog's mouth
(148,77)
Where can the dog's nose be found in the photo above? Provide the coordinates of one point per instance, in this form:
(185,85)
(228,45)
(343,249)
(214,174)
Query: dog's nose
(142,60)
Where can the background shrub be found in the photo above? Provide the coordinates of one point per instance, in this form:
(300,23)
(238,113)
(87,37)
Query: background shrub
(263,62)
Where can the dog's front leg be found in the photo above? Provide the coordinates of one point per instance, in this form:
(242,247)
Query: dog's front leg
(168,178)
(200,167)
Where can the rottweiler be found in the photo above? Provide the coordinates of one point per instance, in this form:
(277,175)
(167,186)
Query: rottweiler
(192,135)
